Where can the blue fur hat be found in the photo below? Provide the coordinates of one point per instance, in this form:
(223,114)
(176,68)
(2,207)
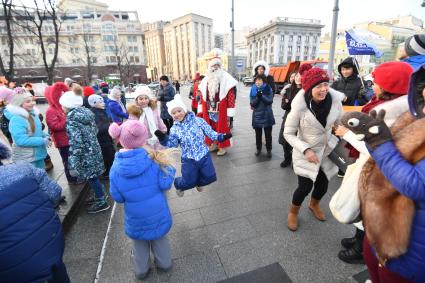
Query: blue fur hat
(415,98)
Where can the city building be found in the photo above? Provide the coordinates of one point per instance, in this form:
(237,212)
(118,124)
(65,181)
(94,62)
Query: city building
(218,41)
(241,43)
(284,39)
(110,40)
(185,39)
(155,50)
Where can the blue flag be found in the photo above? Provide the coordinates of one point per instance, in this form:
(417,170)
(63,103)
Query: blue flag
(359,46)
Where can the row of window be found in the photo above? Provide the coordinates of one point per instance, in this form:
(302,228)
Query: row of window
(115,59)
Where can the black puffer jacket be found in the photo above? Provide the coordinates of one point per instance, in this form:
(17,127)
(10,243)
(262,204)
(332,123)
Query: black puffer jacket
(166,94)
(102,123)
(352,86)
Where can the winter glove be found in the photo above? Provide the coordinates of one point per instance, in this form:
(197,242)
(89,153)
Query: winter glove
(371,129)
(259,93)
(152,141)
(223,137)
(161,136)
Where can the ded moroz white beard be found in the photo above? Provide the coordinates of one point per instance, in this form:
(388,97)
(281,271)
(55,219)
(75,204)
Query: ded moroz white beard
(214,78)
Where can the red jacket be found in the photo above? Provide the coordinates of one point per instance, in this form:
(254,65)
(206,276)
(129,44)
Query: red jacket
(55,117)
(194,101)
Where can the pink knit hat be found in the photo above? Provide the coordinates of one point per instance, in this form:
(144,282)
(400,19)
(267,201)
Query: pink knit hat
(6,94)
(131,134)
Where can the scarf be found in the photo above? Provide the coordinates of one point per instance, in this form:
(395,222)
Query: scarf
(320,110)
(148,115)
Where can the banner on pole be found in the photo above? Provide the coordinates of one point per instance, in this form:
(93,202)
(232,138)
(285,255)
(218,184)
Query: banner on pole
(359,46)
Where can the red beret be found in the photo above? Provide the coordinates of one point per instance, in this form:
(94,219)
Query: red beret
(88,91)
(304,68)
(313,77)
(393,77)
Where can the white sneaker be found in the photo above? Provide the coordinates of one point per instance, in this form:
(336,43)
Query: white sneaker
(180,193)
(221,152)
(199,188)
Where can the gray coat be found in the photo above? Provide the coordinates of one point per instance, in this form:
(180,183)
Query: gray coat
(303,131)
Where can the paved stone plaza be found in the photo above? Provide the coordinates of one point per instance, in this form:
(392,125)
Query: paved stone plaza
(236,225)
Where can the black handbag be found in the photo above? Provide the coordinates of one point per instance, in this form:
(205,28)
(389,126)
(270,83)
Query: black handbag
(340,156)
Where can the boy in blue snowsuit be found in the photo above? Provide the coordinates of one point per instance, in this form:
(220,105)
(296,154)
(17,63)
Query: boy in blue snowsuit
(189,132)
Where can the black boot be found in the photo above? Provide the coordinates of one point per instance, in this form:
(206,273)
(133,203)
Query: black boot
(355,253)
(269,154)
(258,152)
(348,243)
(285,163)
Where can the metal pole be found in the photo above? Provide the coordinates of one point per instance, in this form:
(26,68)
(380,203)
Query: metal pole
(232,68)
(333,40)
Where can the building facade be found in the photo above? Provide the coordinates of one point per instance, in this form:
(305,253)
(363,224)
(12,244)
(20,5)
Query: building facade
(90,35)
(155,50)
(185,39)
(218,41)
(284,39)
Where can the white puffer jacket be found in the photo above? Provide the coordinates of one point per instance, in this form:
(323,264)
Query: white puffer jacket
(303,131)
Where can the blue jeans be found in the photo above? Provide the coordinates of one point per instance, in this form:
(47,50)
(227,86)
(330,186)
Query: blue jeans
(96,186)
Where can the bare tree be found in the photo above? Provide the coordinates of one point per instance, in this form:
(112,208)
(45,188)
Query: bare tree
(125,61)
(7,67)
(35,20)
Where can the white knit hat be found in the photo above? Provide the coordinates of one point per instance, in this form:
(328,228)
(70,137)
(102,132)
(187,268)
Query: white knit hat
(70,100)
(143,90)
(95,99)
(177,102)
(19,98)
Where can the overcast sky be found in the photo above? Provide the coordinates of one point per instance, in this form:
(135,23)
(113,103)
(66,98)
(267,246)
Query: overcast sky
(256,12)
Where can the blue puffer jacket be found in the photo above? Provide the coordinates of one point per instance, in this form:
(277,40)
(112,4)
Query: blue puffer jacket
(139,183)
(31,238)
(415,61)
(262,116)
(27,147)
(190,135)
(409,180)
(165,95)
(117,113)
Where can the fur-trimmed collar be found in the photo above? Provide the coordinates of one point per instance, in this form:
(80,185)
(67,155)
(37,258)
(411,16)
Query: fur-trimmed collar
(17,110)
(261,63)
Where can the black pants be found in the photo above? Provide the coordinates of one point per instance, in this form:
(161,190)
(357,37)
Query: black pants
(108,154)
(168,123)
(305,185)
(259,138)
(64,152)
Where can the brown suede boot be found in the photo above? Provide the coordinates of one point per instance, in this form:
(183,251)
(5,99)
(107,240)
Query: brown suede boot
(315,208)
(293,217)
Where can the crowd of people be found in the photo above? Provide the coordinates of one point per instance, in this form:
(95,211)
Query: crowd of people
(135,145)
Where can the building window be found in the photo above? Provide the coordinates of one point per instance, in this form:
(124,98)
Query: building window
(291,38)
(113,59)
(307,39)
(131,28)
(315,39)
(298,48)
(290,49)
(135,49)
(299,39)
(305,50)
(136,59)
(297,58)
(87,27)
(94,60)
(272,40)
(282,38)
(131,38)
(92,49)
(271,49)
(305,58)
(107,59)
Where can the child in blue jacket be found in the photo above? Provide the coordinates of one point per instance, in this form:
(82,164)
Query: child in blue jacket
(189,132)
(138,178)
